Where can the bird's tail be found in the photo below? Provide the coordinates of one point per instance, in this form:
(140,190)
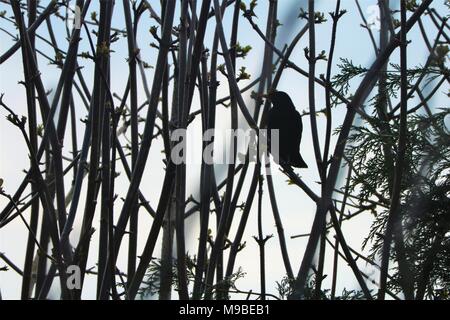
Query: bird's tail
(298,162)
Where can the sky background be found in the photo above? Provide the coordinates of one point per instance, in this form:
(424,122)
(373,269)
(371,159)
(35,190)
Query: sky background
(297,210)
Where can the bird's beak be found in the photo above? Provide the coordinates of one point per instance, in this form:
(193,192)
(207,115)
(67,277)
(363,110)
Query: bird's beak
(266,96)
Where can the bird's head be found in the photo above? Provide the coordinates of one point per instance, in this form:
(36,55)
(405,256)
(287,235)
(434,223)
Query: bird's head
(280,99)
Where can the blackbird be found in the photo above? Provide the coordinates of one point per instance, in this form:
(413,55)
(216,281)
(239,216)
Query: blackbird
(284,117)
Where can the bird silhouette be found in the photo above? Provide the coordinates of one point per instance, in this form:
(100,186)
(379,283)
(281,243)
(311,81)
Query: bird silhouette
(284,117)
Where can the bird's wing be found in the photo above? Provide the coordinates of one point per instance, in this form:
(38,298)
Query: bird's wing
(277,120)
